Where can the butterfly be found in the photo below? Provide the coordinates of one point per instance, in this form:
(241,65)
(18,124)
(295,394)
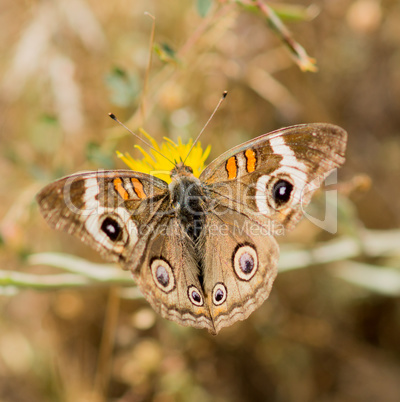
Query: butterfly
(202,250)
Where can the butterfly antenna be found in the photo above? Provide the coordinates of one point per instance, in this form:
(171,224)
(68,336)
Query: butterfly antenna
(112,115)
(205,125)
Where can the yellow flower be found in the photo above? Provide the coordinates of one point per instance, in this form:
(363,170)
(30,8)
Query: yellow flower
(153,163)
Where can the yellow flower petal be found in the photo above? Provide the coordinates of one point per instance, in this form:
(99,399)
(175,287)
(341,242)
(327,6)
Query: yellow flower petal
(149,137)
(155,164)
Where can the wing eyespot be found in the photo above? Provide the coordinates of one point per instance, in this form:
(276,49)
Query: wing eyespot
(274,193)
(195,296)
(282,191)
(245,261)
(112,229)
(219,294)
(163,275)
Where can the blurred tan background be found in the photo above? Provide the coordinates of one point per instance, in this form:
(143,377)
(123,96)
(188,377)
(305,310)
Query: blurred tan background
(319,337)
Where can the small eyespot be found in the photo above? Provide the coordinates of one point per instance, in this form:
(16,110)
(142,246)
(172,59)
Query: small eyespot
(163,275)
(112,229)
(195,296)
(245,262)
(281,192)
(219,294)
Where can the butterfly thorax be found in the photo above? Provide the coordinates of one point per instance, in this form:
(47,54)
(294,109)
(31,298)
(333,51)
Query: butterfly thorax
(188,200)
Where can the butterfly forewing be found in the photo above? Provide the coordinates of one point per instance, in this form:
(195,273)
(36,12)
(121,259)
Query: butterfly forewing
(275,175)
(110,211)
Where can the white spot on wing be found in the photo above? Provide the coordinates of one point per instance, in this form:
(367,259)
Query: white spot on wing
(261,195)
(241,161)
(290,166)
(94,211)
(92,189)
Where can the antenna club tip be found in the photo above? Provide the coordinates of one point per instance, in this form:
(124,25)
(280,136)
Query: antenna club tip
(112,115)
(224,94)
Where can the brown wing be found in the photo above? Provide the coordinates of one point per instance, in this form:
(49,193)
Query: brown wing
(111,211)
(273,176)
(240,265)
(169,277)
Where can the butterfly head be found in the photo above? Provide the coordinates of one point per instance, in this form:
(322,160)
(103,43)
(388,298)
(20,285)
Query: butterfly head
(181,170)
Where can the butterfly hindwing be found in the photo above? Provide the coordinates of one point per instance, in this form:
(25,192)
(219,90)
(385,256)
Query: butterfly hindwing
(240,265)
(169,277)
(232,278)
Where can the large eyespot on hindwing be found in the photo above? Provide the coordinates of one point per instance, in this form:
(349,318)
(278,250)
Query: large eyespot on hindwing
(245,261)
(195,296)
(163,275)
(219,294)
